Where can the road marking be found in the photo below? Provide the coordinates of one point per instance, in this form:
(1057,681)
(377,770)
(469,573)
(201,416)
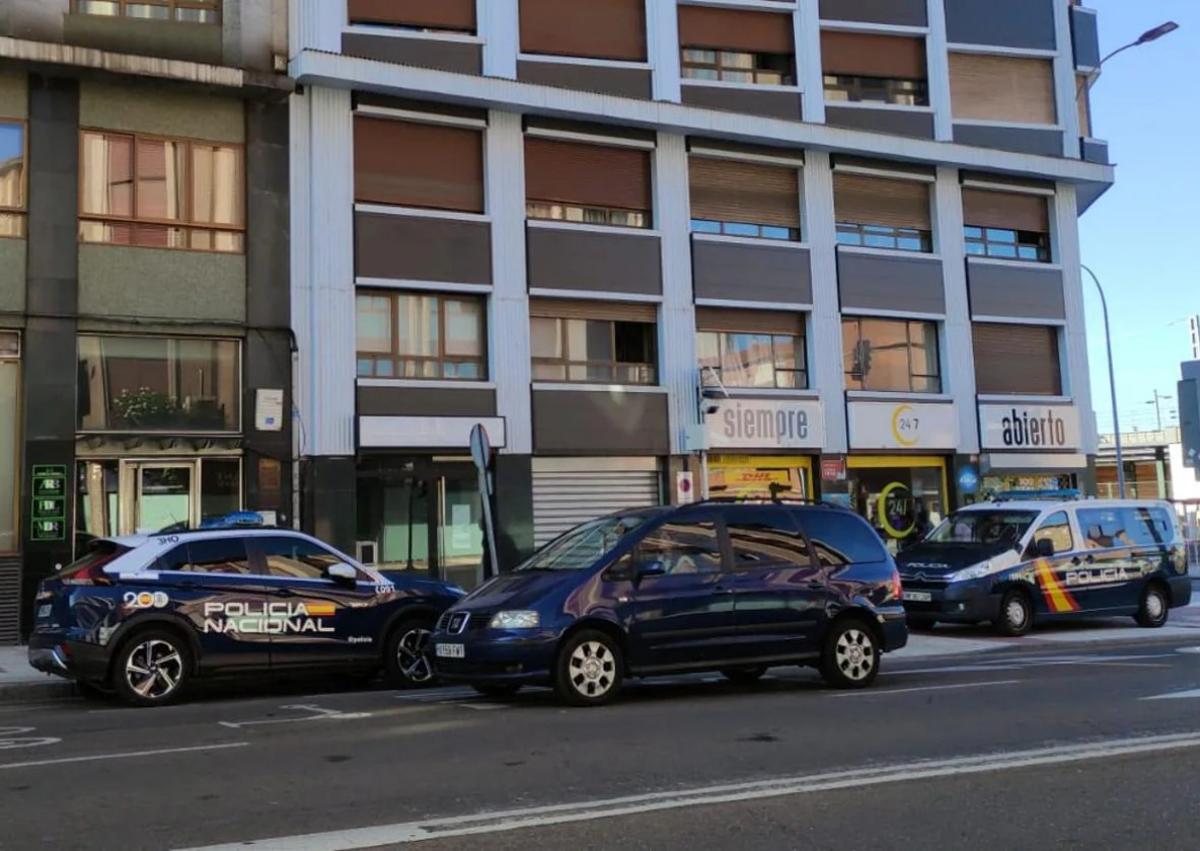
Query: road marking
(318,714)
(1190,693)
(9,738)
(126,755)
(1187,649)
(883,691)
(543,816)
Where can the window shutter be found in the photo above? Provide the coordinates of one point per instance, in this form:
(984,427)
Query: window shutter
(1008,210)
(866,55)
(444,14)
(614,311)
(1002,88)
(733,191)
(1016,359)
(441,167)
(588,175)
(600,29)
(749,321)
(736,29)
(882,201)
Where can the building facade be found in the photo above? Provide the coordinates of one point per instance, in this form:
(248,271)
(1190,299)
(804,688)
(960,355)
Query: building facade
(145,347)
(823,249)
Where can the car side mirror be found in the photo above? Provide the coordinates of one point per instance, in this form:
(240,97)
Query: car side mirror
(653,567)
(341,573)
(1043,548)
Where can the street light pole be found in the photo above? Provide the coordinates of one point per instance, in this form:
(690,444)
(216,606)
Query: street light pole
(1112,385)
(1145,38)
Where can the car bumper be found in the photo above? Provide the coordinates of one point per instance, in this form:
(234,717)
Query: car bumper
(497,656)
(54,653)
(1181,591)
(958,602)
(895,631)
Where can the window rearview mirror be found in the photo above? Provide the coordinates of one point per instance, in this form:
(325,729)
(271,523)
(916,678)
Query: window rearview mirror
(651,567)
(341,573)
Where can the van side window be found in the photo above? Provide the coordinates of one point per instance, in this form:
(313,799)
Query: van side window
(766,540)
(1057,529)
(1150,527)
(683,548)
(839,538)
(215,555)
(1104,528)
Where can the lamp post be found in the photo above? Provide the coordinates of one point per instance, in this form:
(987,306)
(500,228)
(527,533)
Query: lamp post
(1112,385)
(1158,397)
(1145,38)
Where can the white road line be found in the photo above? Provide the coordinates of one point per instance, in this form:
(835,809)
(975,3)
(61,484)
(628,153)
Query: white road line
(881,692)
(534,817)
(318,714)
(1191,693)
(125,755)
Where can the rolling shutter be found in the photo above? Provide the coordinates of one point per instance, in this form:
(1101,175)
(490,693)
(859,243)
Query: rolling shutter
(1016,359)
(750,321)
(587,175)
(444,14)
(570,491)
(1002,88)
(418,165)
(882,201)
(582,308)
(736,29)
(599,29)
(866,55)
(10,601)
(1007,210)
(732,191)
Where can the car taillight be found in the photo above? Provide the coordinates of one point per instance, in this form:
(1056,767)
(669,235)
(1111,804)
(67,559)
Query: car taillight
(93,574)
(897,588)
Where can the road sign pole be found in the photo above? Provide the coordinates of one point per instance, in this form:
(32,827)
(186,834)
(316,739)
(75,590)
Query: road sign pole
(481,454)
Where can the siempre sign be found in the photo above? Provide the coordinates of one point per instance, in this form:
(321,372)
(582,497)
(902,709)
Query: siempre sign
(1028,427)
(766,424)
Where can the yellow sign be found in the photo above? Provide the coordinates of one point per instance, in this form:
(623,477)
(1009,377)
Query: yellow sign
(885,520)
(903,425)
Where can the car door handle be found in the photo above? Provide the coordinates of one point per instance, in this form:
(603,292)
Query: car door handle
(284,592)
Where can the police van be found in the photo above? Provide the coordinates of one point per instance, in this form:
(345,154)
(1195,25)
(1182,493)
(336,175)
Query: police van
(1016,561)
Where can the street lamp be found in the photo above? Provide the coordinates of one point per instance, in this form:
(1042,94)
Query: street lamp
(1145,38)
(1158,397)
(1112,386)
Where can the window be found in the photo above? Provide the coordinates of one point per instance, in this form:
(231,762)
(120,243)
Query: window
(184,11)
(840,538)
(210,555)
(683,548)
(1057,529)
(295,558)
(1002,88)
(420,335)
(1151,527)
(421,15)
(10,448)
(1106,528)
(891,355)
(12,178)
(751,348)
(863,67)
(441,169)
(744,199)
(158,384)
(736,46)
(161,193)
(593,342)
(595,29)
(878,212)
(1020,359)
(589,184)
(1006,225)
(765,542)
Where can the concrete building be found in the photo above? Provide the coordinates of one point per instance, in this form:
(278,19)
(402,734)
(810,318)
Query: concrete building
(827,248)
(145,349)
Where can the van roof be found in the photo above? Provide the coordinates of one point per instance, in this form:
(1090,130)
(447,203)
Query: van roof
(1040,505)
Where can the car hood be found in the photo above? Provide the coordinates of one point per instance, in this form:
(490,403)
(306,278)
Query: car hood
(938,559)
(404,580)
(516,590)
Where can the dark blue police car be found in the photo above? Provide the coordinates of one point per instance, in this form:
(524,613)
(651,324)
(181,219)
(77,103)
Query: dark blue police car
(144,615)
(731,587)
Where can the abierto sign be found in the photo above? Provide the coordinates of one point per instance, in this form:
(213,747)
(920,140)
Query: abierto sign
(902,425)
(766,424)
(1025,427)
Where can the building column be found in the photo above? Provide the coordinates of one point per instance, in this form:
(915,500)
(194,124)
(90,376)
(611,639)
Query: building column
(499,27)
(662,48)
(937,69)
(825,329)
(316,25)
(1065,85)
(1064,239)
(809,73)
(958,359)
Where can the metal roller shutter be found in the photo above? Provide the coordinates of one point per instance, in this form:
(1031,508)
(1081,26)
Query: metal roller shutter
(570,491)
(10,601)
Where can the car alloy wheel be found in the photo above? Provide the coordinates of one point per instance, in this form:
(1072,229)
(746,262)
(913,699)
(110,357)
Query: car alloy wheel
(154,669)
(855,654)
(1152,612)
(592,669)
(1016,614)
(411,658)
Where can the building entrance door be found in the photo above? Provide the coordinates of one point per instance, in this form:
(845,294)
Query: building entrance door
(161,494)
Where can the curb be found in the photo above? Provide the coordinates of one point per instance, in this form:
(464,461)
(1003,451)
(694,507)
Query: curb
(30,692)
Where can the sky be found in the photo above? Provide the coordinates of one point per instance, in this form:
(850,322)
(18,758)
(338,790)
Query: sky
(1142,238)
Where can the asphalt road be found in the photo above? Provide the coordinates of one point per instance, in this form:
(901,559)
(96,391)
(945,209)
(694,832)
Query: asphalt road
(1054,748)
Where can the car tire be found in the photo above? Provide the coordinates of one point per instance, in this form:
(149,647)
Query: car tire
(406,662)
(921,623)
(152,668)
(744,676)
(850,656)
(1015,617)
(588,671)
(1153,608)
(499,691)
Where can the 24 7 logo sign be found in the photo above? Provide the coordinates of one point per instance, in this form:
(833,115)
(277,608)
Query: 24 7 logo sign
(268,618)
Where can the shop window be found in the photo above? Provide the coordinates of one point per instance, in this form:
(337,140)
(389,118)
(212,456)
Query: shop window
(1016,359)
(902,500)
(158,384)
(736,46)
(587,184)
(594,29)
(891,355)
(183,11)
(161,193)
(1002,88)
(420,15)
(441,169)
(864,67)
(767,349)
(879,212)
(12,178)
(10,449)
(1006,225)
(421,335)
(613,349)
(744,199)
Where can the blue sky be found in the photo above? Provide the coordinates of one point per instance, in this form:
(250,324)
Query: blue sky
(1143,237)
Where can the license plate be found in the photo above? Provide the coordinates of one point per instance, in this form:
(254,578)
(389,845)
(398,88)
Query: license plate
(450,651)
(43,611)
(918,596)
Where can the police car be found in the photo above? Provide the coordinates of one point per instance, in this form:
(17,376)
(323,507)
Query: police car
(144,615)
(1047,556)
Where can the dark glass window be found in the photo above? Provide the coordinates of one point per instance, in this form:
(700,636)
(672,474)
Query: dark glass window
(845,87)
(891,355)
(421,335)
(593,350)
(735,66)
(211,555)
(1007,244)
(683,548)
(884,236)
(753,360)
(840,538)
(295,558)
(184,11)
(1150,527)
(762,540)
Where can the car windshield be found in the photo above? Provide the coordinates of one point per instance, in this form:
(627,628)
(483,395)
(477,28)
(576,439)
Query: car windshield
(584,545)
(982,527)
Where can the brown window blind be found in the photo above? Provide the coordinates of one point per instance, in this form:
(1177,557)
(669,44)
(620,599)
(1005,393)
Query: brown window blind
(732,191)
(1002,88)
(615,311)
(1083,104)
(1007,210)
(587,175)
(599,29)
(442,14)
(749,321)
(735,29)
(418,165)
(881,201)
(867,55)
(1016,359)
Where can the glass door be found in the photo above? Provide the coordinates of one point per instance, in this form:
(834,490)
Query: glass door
(165,496)
(460,529)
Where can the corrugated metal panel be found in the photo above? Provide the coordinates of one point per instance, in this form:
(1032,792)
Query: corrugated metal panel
(10,601)
(563,499)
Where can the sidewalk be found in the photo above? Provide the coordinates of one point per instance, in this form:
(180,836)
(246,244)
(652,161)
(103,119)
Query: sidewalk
(20,682)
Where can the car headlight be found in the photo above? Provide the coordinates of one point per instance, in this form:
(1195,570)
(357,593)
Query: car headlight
(515,620)
(976,571)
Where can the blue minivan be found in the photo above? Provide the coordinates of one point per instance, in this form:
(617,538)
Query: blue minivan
(713,586)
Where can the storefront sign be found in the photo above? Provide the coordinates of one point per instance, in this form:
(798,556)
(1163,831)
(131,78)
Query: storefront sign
(268,409)
(685,487)
(425,432)
(902,425)
(1026,427)
(833,469)
(766,424)
(49,514)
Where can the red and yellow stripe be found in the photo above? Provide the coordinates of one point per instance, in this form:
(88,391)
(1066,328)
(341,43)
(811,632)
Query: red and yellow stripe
(1058,598)
(319,610)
